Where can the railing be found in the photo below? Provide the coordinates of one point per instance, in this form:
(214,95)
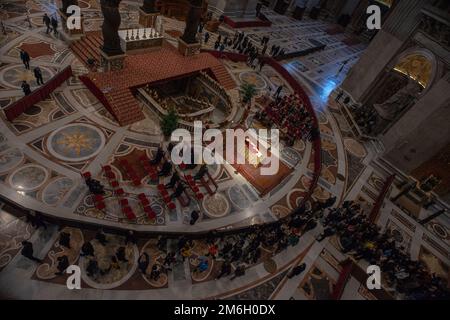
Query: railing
(379,202)
(317,147)
(38,95)
(247,24)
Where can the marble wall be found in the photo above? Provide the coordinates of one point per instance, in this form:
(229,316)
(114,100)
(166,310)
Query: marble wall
(234,8)
(422,131)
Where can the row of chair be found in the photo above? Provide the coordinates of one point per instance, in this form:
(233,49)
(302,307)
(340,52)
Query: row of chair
(193,185)
(166,197)
(127,211)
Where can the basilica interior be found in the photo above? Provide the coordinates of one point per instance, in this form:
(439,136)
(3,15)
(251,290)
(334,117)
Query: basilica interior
(87,177)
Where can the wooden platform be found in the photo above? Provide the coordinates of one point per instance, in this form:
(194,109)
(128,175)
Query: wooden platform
(115,88)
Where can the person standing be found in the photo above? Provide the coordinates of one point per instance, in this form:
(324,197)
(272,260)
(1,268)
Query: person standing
(261,64)
(278,92)
(194,217)
(46,19)
(27,251)
(297,270)
(3,28)
(258,9)
(25,57)
(54,23)
(38,75)
(26,88)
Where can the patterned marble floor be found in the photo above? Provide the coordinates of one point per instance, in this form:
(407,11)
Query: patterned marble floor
(43,152)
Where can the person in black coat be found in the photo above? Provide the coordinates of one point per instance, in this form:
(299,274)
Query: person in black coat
(27,251)
(26,88)
(54,23)
(46,20)
(143,262)
(120,254)
(130,238)
(25,57)
(38,75)
(63,264)
(297,270)
(194,217)
(100,236)
(87,249)
(64,239)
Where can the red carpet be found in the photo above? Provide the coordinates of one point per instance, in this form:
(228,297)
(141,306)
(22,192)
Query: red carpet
(114,89)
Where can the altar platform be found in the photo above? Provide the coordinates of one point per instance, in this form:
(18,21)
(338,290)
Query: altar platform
(115,88)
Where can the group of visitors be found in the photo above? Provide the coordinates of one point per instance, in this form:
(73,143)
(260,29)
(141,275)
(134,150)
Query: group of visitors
(25,57)
(363,239)
(51,23)
(234,253)
(290,114)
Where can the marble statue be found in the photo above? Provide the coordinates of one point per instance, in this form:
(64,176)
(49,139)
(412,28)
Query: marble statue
(149,6)
(110,27)
(192,21)
(389,109)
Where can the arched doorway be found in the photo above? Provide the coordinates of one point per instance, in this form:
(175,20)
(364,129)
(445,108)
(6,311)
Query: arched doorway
(397,89)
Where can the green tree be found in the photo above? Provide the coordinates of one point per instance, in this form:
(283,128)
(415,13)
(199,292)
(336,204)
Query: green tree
(169,123)
(248,91)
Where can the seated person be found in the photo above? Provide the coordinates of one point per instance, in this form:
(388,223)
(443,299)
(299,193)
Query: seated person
(95,186)
(120,254)
(201,172)
(173,181)
(155,273)
(100,236)
(87,249)
(63,264)
(166,169)
(194,217)
(178,191)
(92,268)
(143,262)
(64,239)
(158,157)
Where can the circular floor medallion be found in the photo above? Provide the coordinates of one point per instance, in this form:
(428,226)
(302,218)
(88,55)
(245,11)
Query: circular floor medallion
(355,148)
(55,190)
(76,142)
(216,206)
(254,79)
(28,178)
(9,159)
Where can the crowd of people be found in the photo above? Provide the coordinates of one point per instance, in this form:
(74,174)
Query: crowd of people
(290,114)
(234,253)
(362,239)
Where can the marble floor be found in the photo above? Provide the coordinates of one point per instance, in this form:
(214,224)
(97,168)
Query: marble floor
(43,152)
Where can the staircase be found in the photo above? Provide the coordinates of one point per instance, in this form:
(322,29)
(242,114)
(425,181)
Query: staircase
(88,46)
(124,107)
(223,77)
